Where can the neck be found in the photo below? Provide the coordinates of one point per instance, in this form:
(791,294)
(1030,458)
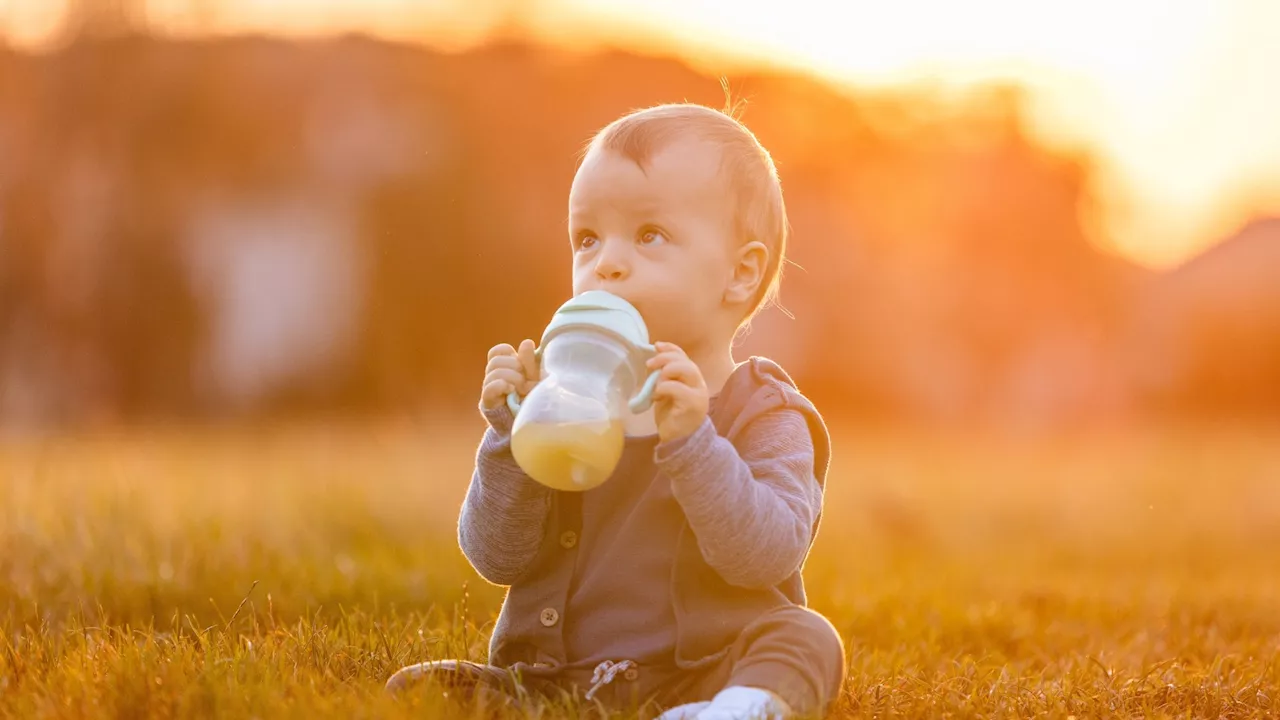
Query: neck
(716,362)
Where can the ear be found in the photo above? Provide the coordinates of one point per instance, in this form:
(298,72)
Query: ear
(749,268)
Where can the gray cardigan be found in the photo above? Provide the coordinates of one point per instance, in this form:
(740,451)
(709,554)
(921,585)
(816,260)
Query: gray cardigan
(734,509)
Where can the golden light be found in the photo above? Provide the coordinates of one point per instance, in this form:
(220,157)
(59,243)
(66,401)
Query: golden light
(1176,96)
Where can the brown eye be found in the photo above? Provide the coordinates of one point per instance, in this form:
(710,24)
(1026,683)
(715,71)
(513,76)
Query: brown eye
(652,236)
(585,241)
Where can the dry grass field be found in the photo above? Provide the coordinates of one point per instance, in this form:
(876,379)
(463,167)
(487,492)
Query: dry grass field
(286,572)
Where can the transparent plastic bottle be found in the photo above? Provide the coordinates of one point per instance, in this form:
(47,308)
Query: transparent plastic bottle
(569,431)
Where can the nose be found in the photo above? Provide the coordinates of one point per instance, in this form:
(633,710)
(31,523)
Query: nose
(612,262)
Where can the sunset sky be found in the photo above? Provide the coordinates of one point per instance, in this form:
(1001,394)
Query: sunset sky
(1180,98)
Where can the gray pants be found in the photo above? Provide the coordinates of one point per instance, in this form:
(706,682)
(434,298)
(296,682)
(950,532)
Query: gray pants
(792,652)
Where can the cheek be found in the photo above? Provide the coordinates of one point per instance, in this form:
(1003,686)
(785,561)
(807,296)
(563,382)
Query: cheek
(712,275)
(583,271)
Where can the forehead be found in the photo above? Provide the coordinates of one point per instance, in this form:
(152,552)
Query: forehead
(682,174)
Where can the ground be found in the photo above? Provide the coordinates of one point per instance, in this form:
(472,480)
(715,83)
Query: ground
(286,573)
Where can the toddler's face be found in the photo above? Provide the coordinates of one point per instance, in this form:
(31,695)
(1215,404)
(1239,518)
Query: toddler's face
(662,238)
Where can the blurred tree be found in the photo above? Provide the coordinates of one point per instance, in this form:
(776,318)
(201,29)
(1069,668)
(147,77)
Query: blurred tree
(945,270)
(102,18)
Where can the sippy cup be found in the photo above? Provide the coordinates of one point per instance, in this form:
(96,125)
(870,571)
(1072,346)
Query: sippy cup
(568,432)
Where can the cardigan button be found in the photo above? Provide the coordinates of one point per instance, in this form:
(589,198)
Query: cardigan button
(568,539)
(549,617)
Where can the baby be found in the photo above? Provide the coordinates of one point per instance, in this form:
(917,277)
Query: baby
(676,585)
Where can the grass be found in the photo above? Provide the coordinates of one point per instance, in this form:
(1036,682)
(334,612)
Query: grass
(287,573)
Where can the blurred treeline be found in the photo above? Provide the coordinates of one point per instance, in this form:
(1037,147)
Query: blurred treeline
(239,227)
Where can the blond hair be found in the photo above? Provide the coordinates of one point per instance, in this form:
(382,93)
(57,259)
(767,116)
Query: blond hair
(759,212)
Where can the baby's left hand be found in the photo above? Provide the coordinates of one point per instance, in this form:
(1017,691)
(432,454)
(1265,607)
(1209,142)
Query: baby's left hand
(680,399)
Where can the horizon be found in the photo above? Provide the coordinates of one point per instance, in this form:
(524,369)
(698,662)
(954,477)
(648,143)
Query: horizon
(1187,150)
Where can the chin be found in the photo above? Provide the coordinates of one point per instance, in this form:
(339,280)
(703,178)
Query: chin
(661,330)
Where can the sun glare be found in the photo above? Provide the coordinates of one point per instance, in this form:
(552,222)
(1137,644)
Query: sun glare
(1170,95)
(1174,97)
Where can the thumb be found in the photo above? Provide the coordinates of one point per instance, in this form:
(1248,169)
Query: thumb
(529,361)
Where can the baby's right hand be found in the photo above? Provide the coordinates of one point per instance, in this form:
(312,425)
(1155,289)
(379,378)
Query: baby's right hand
(508,371)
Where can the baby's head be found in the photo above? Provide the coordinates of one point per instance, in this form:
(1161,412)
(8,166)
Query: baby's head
(678,209)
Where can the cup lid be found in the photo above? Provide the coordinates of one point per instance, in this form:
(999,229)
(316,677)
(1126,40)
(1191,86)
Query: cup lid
(602,310)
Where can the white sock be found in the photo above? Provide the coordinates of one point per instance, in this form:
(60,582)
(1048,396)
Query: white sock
(745,703)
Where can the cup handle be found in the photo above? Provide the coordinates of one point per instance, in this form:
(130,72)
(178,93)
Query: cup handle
(644,398)
(513,397)
(513,402)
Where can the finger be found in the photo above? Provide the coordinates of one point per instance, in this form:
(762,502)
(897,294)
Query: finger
(505,362)
(529,360)
(673,394)
(503,349)
(495,390)
(668,347)
(496,386)
(515,378)
(682,371)
(664,358)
